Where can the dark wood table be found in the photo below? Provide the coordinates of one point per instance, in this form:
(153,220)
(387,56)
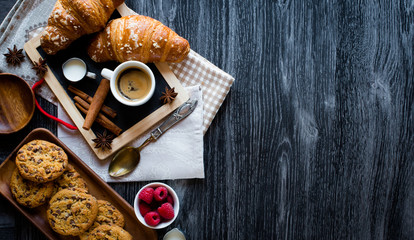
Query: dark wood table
(315,139)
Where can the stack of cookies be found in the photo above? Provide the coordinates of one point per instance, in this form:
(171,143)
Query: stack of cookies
(43,173)
(38,163)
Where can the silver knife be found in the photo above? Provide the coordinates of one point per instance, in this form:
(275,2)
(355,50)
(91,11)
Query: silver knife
(179,114)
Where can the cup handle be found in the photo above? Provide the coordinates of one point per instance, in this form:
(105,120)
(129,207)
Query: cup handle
(91,75)
(106,73)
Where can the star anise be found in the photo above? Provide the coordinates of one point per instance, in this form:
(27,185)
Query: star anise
(169,95)
(103,141)
(14,56)
(40,67)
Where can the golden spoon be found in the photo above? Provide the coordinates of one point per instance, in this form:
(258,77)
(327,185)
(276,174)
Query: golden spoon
(128,158)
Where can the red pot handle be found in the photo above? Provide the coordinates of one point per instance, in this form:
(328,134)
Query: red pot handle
(70,126)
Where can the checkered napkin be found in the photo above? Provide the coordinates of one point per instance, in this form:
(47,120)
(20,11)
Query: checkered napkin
(196,70)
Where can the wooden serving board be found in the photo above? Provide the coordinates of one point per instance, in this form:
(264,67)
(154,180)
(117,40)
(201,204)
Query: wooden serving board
(133,120)
(97,187)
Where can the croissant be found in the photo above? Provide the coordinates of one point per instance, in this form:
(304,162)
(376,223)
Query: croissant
(71,19)
(140,38)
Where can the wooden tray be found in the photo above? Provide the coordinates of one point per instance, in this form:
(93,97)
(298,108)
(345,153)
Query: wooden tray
(97,187)
(136,120)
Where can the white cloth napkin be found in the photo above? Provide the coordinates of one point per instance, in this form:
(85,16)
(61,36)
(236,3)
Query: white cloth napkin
(177,154)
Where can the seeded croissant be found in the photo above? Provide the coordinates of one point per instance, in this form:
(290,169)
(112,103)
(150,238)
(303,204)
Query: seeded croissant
(140,38)
(71,19)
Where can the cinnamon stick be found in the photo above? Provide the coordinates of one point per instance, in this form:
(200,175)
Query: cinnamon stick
(96,104)
(100,119)
(105,109)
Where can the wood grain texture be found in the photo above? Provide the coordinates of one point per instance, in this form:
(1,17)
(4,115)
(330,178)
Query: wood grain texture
(315,139)
(17,103)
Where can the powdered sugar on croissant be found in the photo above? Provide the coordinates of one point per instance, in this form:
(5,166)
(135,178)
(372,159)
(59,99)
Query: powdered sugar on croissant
(138,37)
(71,19)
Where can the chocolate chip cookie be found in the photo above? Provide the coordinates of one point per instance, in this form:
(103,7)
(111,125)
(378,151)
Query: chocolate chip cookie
(72,212)
(107,215)
(70,179)
(108,232)
(41,161)
(28,193)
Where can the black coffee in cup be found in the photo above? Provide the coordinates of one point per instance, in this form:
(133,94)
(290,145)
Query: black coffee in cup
(133,84)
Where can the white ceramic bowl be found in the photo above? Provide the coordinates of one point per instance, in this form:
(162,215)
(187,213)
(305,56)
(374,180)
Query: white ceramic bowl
(170,192)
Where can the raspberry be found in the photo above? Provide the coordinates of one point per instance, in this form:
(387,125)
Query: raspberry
(144,208)
(166,211)
(170,200)
(160,193)
(152,218)
(146,195)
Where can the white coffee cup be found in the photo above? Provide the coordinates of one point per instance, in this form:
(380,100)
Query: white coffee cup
(113,76)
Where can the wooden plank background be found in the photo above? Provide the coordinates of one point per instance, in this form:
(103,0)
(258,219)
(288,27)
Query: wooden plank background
(315,139)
